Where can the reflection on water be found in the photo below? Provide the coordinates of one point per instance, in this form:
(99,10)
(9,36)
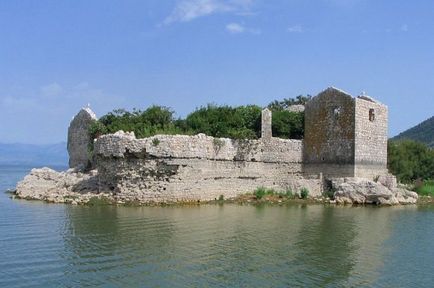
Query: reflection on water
(217,246)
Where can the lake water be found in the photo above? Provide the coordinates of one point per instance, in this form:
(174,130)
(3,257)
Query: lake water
(52,245)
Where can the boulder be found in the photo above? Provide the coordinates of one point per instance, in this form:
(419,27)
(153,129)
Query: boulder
(363,191)
(52,186)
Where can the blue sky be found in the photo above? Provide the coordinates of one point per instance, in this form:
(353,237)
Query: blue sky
(57,56)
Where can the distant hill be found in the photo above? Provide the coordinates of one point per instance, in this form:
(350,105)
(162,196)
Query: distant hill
(423,132)
(34,155)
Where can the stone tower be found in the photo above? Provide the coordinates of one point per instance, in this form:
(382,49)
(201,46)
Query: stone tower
(79,138)
(345,136)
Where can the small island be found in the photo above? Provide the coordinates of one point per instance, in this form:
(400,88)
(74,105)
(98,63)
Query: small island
(341,158)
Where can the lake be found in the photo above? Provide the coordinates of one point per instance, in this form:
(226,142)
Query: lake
(55,245)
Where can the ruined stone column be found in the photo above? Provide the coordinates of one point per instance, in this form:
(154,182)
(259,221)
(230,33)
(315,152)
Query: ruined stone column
(266,132)
(79,138)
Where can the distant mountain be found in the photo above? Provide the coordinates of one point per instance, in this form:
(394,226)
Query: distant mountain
(34,155)
(423,132)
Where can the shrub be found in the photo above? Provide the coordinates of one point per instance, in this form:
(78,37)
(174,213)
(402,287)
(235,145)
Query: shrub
(221,198)
(218,144)
(330,193)
(155,142)
(426,189)
(289,193)
(304,193)
(410,160)
(287,124)
(260,192)
(242,122)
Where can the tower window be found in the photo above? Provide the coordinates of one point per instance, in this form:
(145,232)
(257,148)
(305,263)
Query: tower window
(371,115)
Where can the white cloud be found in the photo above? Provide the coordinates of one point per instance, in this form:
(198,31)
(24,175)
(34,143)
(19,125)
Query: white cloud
(188,10)
(235,28)
(295,29)
(404,28)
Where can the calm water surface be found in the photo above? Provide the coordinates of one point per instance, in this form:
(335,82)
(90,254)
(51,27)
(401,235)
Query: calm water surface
(48,245)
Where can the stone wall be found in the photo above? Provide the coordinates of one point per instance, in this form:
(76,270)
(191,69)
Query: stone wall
(79,138)
(371,122)
(190,168)
(344,137)
(329,134)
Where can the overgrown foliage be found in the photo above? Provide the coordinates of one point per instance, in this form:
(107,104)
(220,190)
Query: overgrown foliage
(286,102)
(304,193)
(425,188)
(289,125)
(286,124)
(410,160)
(152,121)
(242,122)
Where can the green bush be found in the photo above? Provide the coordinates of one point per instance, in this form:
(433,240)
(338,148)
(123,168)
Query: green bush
(242,122)
(289,194)
(288,125)
(155,141)
(304,193)
(330,193)
(410,160)
(426,189)
(260,192)
(286,102)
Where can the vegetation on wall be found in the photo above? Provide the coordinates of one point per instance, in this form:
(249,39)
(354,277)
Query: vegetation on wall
(241,122)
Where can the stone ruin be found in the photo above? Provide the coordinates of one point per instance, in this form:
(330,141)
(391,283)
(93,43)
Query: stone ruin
(344,148)
(79,139)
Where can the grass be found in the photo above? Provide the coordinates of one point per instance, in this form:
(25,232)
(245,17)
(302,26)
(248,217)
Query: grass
(330,193)
(304,193)
(260,192)
(155,141)
(426,189)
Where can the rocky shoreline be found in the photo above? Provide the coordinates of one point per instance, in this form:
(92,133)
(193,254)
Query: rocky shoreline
(83,188)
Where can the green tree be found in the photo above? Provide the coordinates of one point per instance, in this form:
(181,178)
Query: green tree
(410,160)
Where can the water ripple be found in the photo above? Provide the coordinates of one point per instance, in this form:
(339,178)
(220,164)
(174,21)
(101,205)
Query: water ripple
(213,246)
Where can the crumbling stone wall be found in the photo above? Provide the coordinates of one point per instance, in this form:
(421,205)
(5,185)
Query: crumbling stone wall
(344,137)
(190,168)
(79,138)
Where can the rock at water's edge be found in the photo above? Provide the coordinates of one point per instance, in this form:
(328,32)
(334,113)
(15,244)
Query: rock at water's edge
(362,191)
(59,187)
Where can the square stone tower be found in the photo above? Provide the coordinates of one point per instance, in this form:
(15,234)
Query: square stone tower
(345,136)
